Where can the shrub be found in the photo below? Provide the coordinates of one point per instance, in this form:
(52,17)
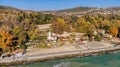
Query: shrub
(98,37)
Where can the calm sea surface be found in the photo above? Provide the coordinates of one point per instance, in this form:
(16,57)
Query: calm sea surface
(107,60)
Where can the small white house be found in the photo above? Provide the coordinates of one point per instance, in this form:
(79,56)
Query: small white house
(52,36)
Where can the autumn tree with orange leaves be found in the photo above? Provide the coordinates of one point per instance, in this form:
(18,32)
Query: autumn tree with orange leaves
(6,39)
(113,31)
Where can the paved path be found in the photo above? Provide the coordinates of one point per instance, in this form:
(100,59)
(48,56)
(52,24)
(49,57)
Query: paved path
(56,54)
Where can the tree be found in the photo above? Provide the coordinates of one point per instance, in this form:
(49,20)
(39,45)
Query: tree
(81,21)
(74,19)
(105,24)
(90,31)
(33,34)
(116,23)
(113,31)
(0,24)
(118,32)
(82,25)
(59,26)
(92,20)
(6,39)
(21,35)
(98,37)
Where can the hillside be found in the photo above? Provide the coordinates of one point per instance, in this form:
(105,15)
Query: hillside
(7,7)
(77,9)
(114,8)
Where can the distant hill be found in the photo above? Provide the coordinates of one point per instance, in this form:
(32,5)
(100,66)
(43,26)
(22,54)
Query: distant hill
(77,9)
(114,8)
(7,7)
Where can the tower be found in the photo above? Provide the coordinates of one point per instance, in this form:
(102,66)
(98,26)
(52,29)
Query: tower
(49,36)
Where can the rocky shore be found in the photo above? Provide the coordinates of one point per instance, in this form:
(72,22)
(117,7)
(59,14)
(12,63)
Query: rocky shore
(61,55)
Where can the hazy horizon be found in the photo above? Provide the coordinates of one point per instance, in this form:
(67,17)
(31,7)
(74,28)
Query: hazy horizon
(43,5)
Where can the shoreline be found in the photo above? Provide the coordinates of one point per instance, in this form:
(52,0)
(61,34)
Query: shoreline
(62,55)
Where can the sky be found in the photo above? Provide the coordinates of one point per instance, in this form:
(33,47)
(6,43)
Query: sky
(40,5)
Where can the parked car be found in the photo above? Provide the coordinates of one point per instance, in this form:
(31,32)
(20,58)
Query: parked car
(19,52)
(6,55)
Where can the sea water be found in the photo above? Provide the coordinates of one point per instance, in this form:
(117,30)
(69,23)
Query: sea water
(106,60)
